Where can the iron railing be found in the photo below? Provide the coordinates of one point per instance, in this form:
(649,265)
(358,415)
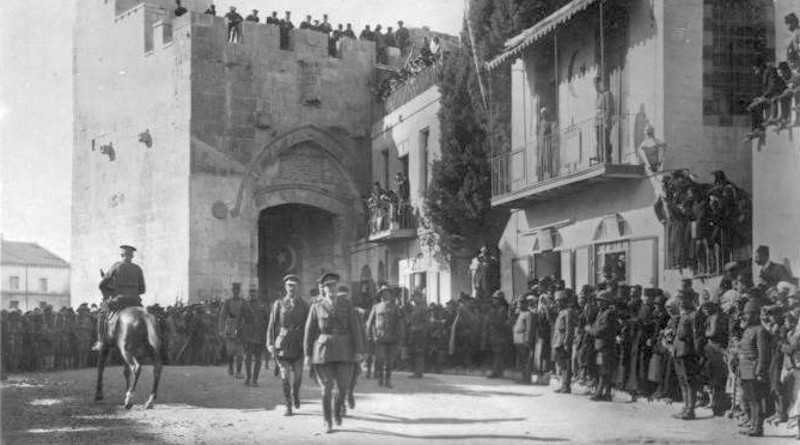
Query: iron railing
(562,152)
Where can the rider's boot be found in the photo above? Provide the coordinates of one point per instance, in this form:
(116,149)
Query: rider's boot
(101,332)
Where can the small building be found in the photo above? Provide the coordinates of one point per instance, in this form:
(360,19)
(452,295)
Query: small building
(585,176)
(33,276)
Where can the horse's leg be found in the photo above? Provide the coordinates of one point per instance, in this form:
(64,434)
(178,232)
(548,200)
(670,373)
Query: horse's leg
(132,366)
(156,378)
(101,366)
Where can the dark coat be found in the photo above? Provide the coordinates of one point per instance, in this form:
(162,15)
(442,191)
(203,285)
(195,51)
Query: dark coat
(286,324)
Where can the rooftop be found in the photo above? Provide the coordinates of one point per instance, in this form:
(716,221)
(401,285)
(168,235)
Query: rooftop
(13,252)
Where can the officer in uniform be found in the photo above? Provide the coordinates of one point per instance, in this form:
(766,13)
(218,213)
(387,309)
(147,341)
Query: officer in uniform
(255,336)
(231,319)
(497,332)
(687,346)
(124,281)
(418,327)
(385,326)
(754,361)
(563,336)
(604,330)
(285,339)
(333,345)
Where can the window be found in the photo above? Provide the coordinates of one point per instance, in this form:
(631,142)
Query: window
(419,282)
(424,135)
(42,284)
(13,283)
(520,274)
(735,33)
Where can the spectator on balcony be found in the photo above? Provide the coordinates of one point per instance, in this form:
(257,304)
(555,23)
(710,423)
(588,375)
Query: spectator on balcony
(367,34)
(348,32)
(403,188)
(791,94)
(603,120)
(325,26)
(389,38)
(435,47)
(793,46)
(769,273)
(273,19)
(179,9)
(545,138)
(771,86)
(253,17)
(234,25)
(212,10)
(402,37)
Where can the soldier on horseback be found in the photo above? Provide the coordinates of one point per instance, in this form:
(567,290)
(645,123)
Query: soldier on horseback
(121,286)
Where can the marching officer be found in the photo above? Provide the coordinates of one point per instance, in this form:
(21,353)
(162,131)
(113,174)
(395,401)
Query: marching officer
(333,344)
(285,339)
(563,336)
(231,319)
(124,281)
(385,326)
(255,336)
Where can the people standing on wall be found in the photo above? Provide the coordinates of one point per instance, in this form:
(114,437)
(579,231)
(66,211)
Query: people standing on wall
(273,19)
(231,320)
(234,25)
(325,26)
(253,17)
(333,345)
(285,25)
(212,10)
(366,34)
(348,32)
(307,23)
(285,340)
(402,37)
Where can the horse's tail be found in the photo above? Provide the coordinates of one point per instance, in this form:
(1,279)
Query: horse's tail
(152,333)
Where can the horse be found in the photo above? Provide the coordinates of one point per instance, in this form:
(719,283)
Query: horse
(134,333)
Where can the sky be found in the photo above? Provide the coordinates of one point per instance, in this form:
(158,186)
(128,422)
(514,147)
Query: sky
(36,96)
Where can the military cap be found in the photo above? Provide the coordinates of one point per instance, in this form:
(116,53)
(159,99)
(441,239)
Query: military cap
(561,295)
(329,277)
(342,291)
(291,277)
(127,247)
(499,294)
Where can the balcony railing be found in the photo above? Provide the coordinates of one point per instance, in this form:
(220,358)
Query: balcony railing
(560,156)
(395,220)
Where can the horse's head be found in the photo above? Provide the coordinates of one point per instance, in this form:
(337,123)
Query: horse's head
(105,287)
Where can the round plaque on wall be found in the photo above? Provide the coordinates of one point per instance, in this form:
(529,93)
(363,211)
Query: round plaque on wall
(219,210)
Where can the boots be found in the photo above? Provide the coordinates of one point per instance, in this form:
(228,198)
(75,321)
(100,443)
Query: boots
(287,396)
(296,394)
(326,413)
(230,366)
(248,364)
(387,379)
(239,367)
(256,371)
(101,332)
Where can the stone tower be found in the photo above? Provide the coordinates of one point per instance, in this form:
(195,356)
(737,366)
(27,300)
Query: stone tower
(222,162)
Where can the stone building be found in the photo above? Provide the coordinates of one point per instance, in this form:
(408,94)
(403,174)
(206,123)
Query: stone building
(32,276)
(776,161)
(580,186)
(220,161)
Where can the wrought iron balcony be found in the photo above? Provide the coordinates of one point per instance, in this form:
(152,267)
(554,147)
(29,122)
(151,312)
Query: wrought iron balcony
(565,161)
(392,221)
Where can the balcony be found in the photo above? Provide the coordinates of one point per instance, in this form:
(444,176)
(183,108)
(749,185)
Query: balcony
(566,161)
(391,221)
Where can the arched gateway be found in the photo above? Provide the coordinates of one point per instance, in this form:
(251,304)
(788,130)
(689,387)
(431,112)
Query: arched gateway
(304,203)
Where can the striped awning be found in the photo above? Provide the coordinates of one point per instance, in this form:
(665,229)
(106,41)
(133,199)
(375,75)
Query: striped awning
(516,44)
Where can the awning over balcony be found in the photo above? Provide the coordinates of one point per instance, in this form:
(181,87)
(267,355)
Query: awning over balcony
(516,44)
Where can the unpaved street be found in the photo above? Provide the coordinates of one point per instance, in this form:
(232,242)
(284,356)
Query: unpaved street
(203,405)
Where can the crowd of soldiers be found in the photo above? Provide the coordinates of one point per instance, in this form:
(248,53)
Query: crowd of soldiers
(732,349)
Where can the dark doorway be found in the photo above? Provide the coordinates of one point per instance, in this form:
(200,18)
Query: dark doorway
(293,239)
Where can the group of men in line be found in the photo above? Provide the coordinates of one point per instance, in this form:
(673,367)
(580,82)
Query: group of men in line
(734,349)
(332,336)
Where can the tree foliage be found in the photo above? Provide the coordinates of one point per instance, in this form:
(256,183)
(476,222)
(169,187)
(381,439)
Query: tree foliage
(458,203)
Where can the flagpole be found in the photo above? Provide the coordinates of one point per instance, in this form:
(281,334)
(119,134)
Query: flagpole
(475,54)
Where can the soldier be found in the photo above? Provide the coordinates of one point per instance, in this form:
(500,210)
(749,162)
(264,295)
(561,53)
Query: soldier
(402,37)
(563,336)
(255,336)
(307,23)
(231,319)
(385,326)
(348,32)
(754,359)
(333,344)
(273,19)
(418,326)
(212,10)
(604,330)
(285,339)
(124,281)
(362,330)
(687,347)
(496,332)
(234,25)
(325,26)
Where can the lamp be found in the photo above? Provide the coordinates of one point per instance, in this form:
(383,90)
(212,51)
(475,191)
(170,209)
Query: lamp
(652,149)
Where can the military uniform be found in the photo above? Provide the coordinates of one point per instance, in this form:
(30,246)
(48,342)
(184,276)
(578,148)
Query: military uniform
(418,329)
(497,333)
(604,330)
(562,342)
(687,348)
(385,326)
(754,360)
(231,320)
(124,281)
(255,338)
(285,334)
(332,341)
